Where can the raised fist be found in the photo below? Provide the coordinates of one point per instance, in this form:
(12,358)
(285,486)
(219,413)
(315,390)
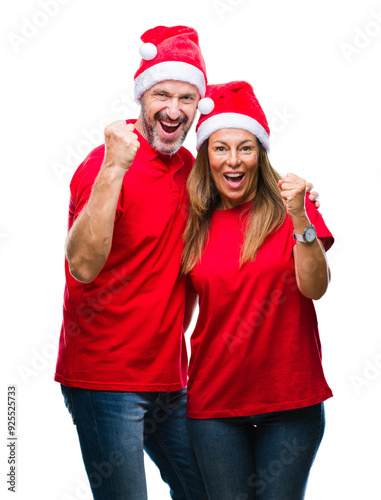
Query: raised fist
(293,191)
(121,145)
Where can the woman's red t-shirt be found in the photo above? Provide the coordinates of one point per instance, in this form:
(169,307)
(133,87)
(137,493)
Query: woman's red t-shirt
(256,347)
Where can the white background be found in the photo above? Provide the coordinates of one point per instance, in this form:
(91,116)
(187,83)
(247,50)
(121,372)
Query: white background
(315,67)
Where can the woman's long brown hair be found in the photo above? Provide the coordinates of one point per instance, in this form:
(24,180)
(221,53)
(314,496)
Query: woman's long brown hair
(266,215)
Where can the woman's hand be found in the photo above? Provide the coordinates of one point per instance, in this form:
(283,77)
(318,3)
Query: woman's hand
(293,192)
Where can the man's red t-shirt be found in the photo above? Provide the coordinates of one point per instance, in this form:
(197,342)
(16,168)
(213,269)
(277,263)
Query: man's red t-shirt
(256,346)
(124,330)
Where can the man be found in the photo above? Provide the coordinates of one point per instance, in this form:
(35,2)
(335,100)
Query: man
(122,358)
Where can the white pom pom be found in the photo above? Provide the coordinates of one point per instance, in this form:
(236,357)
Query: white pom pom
(148,51)
(205,105)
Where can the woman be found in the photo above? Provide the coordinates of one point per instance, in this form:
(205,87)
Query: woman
(256,385)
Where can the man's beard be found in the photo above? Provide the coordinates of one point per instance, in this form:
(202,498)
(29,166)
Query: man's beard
(163,146)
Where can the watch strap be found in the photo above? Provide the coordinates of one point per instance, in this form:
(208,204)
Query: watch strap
(301,237)
(298,237)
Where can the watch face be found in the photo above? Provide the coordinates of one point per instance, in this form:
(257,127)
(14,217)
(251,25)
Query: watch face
(310,234)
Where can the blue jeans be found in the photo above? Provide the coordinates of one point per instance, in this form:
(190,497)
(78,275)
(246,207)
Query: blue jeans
(113,429)
(263,457)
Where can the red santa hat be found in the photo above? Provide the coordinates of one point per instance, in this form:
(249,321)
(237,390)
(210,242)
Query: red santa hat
(170,54)
(231,105)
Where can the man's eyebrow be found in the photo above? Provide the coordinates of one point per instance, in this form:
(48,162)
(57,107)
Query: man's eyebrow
(160,91)
(166,92)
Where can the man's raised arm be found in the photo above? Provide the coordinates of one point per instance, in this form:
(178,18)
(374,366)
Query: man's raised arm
(88,243)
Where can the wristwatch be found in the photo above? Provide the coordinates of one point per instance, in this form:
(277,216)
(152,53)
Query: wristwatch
(308,236)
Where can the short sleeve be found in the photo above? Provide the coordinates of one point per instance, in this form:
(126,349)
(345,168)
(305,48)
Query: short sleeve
(317,220)
(82,184)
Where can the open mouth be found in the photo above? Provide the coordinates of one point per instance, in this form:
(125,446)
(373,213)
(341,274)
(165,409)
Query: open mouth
(169,128)
(234,180)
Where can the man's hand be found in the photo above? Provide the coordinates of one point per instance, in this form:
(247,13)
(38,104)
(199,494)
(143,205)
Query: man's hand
(314,195)
(122,145)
